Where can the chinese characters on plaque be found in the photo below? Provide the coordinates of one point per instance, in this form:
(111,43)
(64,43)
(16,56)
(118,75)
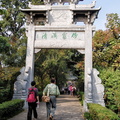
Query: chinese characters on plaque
(40,35)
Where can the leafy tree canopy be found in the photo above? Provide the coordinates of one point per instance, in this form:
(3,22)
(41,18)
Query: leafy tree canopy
(12,32)
(106,44)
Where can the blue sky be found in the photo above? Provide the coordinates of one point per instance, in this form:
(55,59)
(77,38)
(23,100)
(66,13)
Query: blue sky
(107,7)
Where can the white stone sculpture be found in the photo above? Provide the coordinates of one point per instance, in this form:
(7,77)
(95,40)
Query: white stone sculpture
(98,89)
(21,84)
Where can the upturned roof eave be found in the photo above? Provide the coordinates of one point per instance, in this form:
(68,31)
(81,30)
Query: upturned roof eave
(87,9)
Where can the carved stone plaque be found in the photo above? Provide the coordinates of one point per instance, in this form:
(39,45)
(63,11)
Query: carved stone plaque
(59,39)
(60,17)
(59,35)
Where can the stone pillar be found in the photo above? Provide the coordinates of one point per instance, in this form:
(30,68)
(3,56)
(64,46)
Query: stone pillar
(30,54)
(88,66)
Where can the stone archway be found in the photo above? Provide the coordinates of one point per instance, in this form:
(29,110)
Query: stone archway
(54,26)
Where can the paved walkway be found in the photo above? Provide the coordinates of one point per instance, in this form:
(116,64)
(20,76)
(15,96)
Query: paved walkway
(68,108)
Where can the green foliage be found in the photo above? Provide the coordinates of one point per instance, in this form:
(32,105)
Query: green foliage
(8,76)
(111,81)
(48,63)
(4,95)
(40,93)
(98,112)
(76,65)
(12,33)
(12,44)
(80,95)
(106,58)
(87,116)
(106,44)
(117,99)
(37,2)
(10,108)
(113,21)
(8,73)
(4,44)
(106,51)
(80,81)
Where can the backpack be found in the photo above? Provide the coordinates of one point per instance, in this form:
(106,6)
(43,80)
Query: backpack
(31,95)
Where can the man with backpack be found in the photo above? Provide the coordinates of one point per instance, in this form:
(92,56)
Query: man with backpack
(53,93)
(32,99)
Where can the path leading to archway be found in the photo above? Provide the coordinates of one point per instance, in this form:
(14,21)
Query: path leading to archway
(68,108)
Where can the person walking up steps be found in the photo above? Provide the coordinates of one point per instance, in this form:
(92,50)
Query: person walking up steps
(53,93)
(32,100)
